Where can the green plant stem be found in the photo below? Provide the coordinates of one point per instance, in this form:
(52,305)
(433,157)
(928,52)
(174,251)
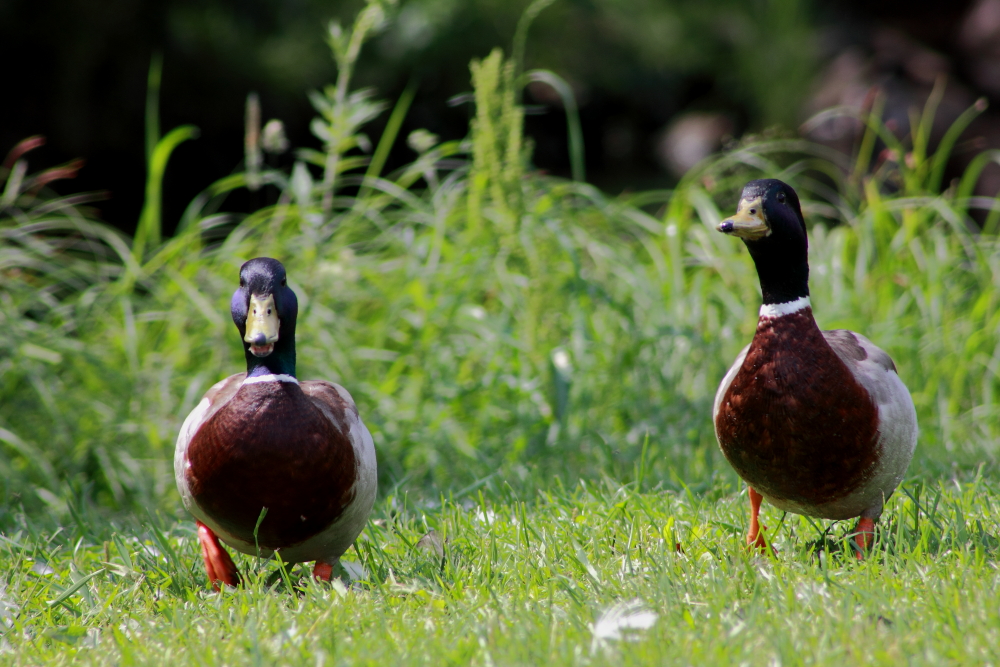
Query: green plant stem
(148,233)
(573,128)
(944,149)
(388,137)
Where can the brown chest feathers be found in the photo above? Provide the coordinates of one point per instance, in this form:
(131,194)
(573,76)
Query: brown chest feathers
(271,446)
(795,423)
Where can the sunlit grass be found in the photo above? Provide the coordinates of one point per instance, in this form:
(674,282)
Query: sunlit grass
(495,578)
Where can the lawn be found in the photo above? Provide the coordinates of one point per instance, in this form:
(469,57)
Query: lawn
(536,361)
(596,574)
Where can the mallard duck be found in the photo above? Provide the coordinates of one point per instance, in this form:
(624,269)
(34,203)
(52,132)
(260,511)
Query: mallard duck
(264,441)
(816,422)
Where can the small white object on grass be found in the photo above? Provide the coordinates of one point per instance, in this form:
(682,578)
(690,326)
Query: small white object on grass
(42,568)
(356,571)
(622,621)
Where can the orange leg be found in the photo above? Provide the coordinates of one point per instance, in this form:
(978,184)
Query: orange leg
(322,571)
(864,535)
(755,538)
(218,563)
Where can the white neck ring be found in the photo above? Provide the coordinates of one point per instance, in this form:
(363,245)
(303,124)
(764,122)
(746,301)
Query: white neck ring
(781,309)
(271,378)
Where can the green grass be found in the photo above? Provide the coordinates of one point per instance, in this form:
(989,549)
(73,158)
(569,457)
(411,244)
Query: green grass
(522,347)
(530,581)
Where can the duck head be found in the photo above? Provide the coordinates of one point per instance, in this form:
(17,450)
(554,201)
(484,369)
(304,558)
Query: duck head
(264,309)
(769,220)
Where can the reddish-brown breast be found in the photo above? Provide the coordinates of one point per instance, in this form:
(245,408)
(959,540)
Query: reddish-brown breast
(270,446)
(795,424)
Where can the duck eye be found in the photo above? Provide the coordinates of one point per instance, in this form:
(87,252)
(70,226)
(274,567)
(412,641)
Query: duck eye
(781,197)
(283,281)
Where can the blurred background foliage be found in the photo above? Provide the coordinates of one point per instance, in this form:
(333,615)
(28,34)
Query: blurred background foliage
(713,69)
(496,321)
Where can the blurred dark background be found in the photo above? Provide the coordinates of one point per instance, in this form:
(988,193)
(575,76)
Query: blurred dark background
(660,83)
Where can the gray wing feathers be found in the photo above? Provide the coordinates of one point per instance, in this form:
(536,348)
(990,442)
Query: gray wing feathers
(870,364)
(874,370)
(853,347)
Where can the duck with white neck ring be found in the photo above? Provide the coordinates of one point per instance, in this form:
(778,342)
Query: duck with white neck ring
(816,422)
(263,440)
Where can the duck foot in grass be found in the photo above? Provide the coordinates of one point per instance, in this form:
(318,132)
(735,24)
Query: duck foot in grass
(860,541)
(755,536)
(323,571)
(347,575)
(218,563)
(864,536)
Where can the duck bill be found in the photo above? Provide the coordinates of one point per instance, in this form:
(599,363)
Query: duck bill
(262,325)
(748,222)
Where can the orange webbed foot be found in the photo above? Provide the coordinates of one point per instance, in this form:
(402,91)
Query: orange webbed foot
(756,541)
(218,563)
(323,571)
(755,536)
(864,536)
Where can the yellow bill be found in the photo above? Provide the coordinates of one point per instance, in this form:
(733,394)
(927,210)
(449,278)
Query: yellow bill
(262,325)
(748,222)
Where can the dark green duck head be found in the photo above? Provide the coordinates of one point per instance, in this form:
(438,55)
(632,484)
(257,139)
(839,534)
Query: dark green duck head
(769,220)
(264,309)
